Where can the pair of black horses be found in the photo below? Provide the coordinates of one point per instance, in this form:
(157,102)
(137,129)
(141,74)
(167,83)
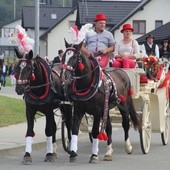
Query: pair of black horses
(80,80)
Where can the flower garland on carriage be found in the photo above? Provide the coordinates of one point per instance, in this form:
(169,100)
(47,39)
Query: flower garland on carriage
(151,66)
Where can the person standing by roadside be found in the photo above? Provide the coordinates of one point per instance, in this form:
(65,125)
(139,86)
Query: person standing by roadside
(4,73)
(100,42)
(58,58)
(11,73)
(150,47)
(165,50)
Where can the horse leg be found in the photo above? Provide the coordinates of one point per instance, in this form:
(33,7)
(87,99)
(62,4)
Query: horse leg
(95,145)
(54,129)
(30,114)
(77,117)
(126,126)
(108,154)
(49,135)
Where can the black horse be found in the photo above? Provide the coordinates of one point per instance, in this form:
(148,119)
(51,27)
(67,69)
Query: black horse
(42,89)
(96,91)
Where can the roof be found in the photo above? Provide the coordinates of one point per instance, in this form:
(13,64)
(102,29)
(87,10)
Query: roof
(159,34)
(28,18)
(138,7)
(43,36)
(115,11)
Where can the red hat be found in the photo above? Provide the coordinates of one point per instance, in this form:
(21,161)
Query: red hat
(99,17)
(127,27)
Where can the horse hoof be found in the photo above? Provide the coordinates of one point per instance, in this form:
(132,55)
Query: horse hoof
(73,159)
(73,156)
(94,159)
(129,150)
(107,158)
(27,159)
(128,147)
(49,158)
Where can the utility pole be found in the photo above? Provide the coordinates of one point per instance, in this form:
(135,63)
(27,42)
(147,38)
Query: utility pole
(14,9)
(37,14)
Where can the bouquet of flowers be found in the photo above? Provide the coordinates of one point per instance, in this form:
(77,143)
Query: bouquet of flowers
(151,61)
(151,64)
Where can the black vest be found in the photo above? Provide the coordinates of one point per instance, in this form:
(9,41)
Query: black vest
(149,50)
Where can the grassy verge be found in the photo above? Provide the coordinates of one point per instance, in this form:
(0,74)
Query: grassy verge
(12,111)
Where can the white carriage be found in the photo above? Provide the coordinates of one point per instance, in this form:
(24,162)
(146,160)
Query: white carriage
(152,104)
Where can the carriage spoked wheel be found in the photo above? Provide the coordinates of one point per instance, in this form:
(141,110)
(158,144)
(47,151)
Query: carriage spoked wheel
(64,136)
(165,133)
(145,132)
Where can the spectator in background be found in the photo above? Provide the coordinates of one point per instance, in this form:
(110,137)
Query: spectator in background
(149,47)
(127,50)
(58,58)
(165,50)
(11,74)
(4,73)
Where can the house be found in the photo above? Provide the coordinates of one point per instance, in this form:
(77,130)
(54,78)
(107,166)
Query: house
(6,43)
(53,39)
(160,33)
(49,16)
(144,15)
(56,21)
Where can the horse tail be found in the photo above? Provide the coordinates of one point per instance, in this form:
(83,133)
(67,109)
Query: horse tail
(133,115)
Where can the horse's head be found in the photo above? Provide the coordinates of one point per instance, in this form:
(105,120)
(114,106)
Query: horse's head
(76,68)
(24,71)
(73,62)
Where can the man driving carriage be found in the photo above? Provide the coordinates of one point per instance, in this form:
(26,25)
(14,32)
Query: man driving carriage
(101,42)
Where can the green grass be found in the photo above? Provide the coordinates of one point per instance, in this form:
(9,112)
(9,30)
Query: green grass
(8,83)
(12,111)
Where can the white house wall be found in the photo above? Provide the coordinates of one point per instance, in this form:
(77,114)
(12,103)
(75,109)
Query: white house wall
(154,10)
(56,37)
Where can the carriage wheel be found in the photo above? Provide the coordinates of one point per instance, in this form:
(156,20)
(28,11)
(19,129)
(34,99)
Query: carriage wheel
(145,132)
(165,133)
(64,137)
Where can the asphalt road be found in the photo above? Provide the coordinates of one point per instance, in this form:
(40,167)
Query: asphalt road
(158,157)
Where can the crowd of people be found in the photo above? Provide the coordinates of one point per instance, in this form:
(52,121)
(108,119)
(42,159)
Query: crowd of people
(123,54)
(102,45)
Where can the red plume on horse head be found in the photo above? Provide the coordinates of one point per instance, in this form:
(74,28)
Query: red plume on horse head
(25,43)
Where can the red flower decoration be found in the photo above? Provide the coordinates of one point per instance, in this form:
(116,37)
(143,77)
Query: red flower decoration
(80,66)
(150,61)
(102,136)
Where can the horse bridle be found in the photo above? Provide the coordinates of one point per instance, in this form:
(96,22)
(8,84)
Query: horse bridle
(20,81)
(72,69)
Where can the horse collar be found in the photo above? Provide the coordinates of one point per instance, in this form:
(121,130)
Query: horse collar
(47,96)
(91,91)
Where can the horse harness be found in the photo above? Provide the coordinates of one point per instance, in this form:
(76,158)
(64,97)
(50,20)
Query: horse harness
(50,91)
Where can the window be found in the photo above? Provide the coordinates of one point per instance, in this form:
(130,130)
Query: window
(158,23)
(53,16)
(139,26)
(8,32)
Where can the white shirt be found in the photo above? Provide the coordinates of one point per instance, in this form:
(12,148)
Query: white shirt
(150,45)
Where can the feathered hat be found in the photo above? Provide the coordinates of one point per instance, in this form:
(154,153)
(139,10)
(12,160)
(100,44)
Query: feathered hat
(79,35)
(25,43)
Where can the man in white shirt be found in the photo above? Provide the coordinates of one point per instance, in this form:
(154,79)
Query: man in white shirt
(149,47)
